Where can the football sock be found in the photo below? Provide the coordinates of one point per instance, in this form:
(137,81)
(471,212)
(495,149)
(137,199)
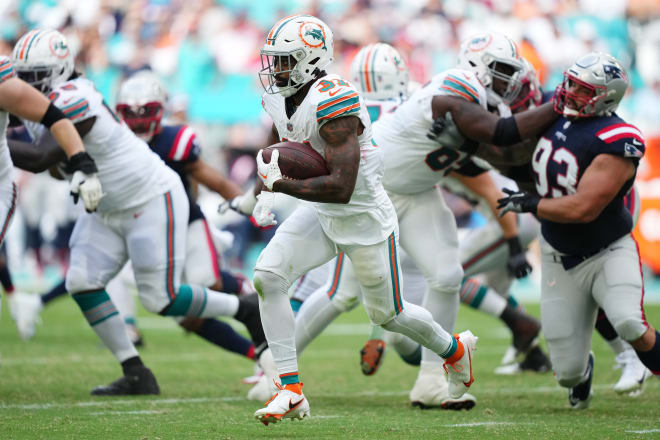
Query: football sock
(104,318)
(512,301)
(295,305)
(377,332)
(316,313)
(651,358)
(443,306)
(230,283)
(409,350)
(223,335)
(417,323)
(123,299)
(201,302)
(55,292)
(277,319)
(5,279)
(130,364)
(481,297)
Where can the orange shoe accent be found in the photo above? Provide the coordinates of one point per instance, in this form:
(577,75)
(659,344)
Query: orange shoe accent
(295,387)
(371,356)
(460,351)
(467,384)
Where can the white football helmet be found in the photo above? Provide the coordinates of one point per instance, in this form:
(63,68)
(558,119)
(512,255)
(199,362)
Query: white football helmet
(302,40)
(495,60)
(380,72)
(141,104)
(593,86)
(42,58)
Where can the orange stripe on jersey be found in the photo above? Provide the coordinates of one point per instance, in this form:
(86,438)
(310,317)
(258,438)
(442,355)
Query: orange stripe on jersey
(340,111)
(465,84)
(336,101)
(464,95)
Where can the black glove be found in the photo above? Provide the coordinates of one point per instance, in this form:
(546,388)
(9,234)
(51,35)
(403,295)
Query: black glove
(519,201)
(517,263)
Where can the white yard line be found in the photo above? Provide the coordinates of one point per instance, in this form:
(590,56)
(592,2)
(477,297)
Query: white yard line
(475,424)
(122,413)
(645,431)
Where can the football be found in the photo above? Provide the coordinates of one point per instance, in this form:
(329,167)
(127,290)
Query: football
(297,160)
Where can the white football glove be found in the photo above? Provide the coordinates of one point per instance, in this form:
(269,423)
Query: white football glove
(270,172)
(262,213)
(243,204)
(88,188)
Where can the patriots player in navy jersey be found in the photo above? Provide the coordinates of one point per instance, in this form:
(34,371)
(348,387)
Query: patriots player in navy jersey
(584,164)
(140,104)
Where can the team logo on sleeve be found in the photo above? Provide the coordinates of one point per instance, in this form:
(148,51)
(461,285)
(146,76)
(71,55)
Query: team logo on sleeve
(313,35)
(632,151)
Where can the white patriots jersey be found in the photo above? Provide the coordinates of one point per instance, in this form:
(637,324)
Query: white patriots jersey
(413,162)
(6,167)
(130,173)
(369,216)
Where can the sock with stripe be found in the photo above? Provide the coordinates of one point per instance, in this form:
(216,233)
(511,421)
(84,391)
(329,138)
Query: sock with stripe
(443,306)
(409,350)
(512,301)
(123,299)
(315,314)
(651,358)
(277,319)
(200,302)
(230,283)
(103,317)
(455,352)
(223,335)
(55,292)
(5,279)
(481,297)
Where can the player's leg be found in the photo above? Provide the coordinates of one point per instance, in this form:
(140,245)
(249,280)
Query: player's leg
(377,268)
(568,314)
(299,245)
(619,289)
(97,254)
(120,289)
(633,371)
(340,294)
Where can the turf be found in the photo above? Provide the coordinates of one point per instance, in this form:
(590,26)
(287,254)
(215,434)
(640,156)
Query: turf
(45,383)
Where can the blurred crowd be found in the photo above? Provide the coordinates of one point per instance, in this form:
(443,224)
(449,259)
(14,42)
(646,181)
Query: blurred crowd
(207,51)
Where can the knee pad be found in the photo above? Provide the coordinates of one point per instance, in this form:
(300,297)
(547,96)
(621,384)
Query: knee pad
(629,329)
(77,280)
(448,282)
(380,315)
(269,282)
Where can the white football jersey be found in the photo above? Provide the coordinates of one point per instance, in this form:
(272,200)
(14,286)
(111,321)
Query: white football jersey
(130,173)
(369,216)
(413,162)
(6,167)
(379,107)
(481,205)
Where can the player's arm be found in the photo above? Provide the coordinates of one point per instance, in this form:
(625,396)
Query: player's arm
(477,124)
(22,100)
(213,179)
(600,183)
(342,155)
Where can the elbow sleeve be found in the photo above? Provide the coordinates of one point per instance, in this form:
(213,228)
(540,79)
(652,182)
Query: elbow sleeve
(506,132)
(52,115)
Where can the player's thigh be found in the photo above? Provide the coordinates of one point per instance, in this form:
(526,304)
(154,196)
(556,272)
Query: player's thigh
(156,242)
(202,266)
(342,286)
(568,315)
(429,236)
(414,281)
(8,195)
(618,288)
(298,246)
(378,271)
(98,252)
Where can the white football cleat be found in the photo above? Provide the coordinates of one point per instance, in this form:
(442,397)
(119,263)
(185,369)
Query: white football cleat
(633,373)
(459,373)
(267,384)
(25,309)
(261,391)
(286,404)
(251,380)
(510,356)
(431,390)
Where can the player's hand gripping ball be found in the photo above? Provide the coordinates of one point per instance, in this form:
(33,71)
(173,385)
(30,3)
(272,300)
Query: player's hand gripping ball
(289,160)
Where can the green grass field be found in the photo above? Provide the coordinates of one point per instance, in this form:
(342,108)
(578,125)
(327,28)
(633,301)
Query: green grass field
(45,383)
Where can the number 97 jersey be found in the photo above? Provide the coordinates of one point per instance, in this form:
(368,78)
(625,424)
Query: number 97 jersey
(561,157)
(413,162)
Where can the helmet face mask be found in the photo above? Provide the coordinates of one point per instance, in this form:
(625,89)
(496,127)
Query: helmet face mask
(42,58)
(141,104)
(529,94)
(593,86)
(297,49)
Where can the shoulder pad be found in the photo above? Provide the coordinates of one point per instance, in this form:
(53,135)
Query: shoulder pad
(184,145)
(71,100)
(335,98)
(6,69)
(621,139)
(464,84)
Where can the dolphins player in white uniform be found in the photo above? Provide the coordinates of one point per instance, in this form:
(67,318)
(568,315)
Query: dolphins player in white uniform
(143,215)
(350,213)
(19,99)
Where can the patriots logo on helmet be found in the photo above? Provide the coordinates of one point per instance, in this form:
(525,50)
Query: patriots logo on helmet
(613,72)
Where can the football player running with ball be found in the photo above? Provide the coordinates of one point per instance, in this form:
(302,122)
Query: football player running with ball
(143,215)
(585,164)
(350,211)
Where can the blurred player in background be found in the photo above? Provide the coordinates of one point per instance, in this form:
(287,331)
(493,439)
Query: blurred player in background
(142,217)
(354,214)
(585,164)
